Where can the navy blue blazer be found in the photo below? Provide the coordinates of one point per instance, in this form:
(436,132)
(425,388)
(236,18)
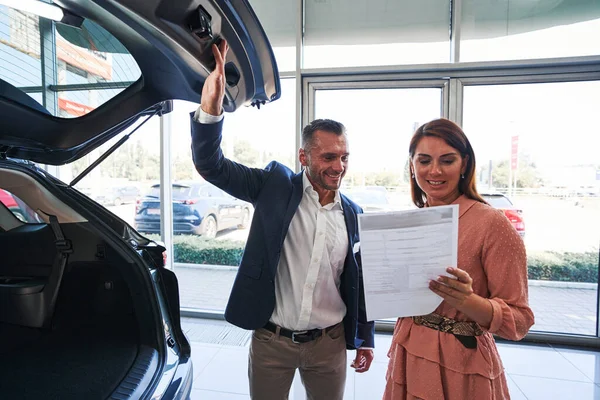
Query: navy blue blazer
(275,192)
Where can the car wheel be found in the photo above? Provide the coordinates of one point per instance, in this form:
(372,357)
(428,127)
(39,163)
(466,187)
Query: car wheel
(117,202)
(209,227)
(245,219)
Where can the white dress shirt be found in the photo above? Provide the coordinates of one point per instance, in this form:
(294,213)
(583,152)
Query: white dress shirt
(307,284)
(205,118)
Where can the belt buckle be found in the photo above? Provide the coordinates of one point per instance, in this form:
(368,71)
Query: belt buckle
(297,333)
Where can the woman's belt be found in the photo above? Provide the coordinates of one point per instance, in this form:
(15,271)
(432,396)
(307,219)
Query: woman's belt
(464,331)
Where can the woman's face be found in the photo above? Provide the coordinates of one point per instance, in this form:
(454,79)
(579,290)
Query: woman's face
(437,167)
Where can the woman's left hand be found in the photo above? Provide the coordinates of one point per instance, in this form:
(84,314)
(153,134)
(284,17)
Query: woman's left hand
(454,291)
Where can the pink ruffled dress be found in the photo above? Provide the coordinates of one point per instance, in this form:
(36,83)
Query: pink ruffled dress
(432,365)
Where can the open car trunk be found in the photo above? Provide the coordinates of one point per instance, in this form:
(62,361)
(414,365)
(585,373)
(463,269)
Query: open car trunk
(86,328)
(87,351)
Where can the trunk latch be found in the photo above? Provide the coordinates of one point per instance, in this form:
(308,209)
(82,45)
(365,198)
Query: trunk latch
(199,24)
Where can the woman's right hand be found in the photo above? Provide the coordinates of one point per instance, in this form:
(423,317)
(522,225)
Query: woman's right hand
(459,294)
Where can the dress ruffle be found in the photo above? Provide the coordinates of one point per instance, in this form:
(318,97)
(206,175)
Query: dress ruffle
(427,362)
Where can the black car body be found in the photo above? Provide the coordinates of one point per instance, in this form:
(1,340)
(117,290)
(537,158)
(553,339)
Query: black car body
(198,208)
(87,308)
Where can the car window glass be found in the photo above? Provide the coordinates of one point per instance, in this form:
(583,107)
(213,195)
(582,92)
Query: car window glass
(179,192)
(88,56)
(18,208)
(216,192)
(203,191)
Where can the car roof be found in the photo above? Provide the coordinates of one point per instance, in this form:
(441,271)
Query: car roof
(174,59)
(493,194)
(185,184)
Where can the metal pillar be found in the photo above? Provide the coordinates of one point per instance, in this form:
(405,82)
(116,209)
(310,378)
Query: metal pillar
(166,193)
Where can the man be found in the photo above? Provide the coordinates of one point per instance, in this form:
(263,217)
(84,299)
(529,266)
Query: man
(299,285)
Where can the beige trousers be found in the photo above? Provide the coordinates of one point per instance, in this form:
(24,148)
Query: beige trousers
(273,360)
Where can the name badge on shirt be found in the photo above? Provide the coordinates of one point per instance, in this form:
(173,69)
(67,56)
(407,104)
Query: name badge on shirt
(356,248)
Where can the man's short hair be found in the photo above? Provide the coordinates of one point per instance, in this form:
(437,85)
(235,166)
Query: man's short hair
(327,125)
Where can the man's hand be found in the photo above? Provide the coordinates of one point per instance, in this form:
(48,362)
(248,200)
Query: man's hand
(213,91)
(363,360)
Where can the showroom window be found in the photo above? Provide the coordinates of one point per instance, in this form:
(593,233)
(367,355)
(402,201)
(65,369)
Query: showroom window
(125,179)
(536,147)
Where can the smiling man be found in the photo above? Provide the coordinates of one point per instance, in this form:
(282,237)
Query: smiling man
(299,286)
(324,154)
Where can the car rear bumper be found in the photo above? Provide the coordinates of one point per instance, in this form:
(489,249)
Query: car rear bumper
(181,385)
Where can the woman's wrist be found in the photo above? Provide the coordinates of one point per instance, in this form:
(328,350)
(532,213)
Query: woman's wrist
(479,309)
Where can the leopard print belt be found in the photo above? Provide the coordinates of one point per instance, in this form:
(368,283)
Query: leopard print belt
(448,325)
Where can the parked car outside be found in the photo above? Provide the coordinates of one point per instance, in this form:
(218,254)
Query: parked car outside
(198,208)
(87,308)
(514,214)
(370,199)
(117,195)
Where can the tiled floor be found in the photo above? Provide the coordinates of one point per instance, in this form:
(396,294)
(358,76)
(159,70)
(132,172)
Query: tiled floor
(534,371)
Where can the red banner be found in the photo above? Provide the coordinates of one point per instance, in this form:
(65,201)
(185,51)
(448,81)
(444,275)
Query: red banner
(73,108)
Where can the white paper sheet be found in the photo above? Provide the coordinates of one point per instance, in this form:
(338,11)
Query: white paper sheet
(401,251)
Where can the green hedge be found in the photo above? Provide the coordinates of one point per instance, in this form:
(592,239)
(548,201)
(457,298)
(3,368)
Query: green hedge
(196,250)
(546,265)
(569,267)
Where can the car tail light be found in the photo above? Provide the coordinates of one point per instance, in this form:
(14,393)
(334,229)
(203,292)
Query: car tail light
(515,217)
(190,201)
(137,206)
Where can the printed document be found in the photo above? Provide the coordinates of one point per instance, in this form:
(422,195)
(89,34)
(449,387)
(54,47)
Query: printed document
(401,251)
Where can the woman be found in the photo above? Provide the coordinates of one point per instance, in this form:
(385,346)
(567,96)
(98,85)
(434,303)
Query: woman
(451,354)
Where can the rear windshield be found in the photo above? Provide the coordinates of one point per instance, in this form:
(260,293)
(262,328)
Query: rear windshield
(498,201)
(179,192)
(82,67)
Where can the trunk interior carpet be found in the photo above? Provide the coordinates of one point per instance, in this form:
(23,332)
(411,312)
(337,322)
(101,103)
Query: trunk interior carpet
(75,363)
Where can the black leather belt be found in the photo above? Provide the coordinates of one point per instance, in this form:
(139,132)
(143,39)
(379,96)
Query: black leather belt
(298,336)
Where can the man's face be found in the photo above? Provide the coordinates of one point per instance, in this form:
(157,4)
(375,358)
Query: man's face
(326,160)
